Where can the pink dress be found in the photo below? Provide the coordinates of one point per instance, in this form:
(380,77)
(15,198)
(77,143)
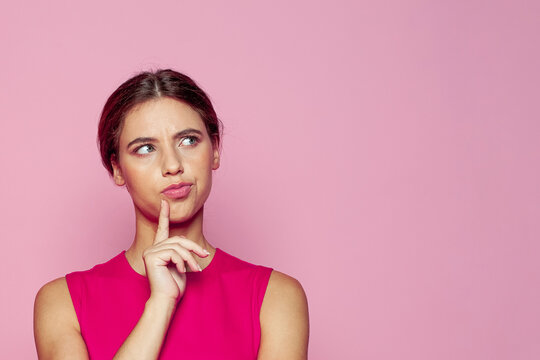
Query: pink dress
(217,318)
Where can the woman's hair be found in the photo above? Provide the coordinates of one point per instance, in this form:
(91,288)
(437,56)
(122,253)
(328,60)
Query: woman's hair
(147,86)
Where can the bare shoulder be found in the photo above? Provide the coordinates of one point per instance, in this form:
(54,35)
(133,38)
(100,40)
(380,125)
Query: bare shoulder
(284,287)
(284,319)
(56,290)
(52,300)
(56,328)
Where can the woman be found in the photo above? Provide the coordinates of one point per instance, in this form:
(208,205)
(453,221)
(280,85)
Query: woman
(171,295)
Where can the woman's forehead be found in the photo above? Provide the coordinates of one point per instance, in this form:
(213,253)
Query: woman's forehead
(160,117)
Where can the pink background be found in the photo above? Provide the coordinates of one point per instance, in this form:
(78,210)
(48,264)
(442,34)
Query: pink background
(384,153)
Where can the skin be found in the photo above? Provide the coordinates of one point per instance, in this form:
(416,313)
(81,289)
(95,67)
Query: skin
(168,231)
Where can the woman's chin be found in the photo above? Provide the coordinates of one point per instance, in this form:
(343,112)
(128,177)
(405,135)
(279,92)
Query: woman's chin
(182,215)
(178,220)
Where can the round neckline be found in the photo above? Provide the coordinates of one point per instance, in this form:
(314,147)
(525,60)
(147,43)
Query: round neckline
(206,270)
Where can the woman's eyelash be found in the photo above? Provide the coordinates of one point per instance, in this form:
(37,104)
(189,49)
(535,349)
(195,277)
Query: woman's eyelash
(190,137)
(140,147)
(193,138)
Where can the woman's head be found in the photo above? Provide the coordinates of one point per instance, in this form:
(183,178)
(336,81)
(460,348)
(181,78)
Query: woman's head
(159,130)
(148,86)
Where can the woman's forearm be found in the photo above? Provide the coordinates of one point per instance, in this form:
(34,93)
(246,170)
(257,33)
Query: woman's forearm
(145,340)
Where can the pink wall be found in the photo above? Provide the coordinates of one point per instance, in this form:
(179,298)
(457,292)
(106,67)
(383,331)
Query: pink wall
(385,154)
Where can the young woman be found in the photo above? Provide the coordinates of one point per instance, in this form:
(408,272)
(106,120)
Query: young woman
(171,295)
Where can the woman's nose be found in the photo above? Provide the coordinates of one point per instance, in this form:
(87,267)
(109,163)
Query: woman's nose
(172,162)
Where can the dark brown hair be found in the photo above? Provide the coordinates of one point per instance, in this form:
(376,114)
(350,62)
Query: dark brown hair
(146,86)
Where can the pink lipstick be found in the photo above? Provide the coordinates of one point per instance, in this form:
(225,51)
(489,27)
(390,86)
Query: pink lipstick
(177,191)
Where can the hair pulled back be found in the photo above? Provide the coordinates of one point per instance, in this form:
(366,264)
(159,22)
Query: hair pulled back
(147,86)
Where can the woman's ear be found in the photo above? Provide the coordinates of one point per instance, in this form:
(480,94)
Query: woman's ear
(215,154)
(117,172)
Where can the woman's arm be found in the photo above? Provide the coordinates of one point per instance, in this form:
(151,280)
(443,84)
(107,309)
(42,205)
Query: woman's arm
(56,328)
(284,320)
(145,340)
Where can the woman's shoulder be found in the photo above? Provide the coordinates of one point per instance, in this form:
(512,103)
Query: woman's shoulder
(53,287)
(54,297)
(56,329)
(283,287)
(284,318)
(54,292)
(282,279)
(53,309)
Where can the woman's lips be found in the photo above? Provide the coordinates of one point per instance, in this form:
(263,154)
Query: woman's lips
(177,192)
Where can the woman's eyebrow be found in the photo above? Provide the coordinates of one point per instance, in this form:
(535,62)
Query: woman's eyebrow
(176,136)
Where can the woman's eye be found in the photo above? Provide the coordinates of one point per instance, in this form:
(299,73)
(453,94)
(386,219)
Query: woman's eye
(140,150)
(189,140)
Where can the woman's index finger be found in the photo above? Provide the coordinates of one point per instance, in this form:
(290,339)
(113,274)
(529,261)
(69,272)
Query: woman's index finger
(163,224)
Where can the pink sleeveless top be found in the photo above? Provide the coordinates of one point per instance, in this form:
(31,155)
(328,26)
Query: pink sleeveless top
(217,318)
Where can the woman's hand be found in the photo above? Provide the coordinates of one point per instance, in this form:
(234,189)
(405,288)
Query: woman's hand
(165,260)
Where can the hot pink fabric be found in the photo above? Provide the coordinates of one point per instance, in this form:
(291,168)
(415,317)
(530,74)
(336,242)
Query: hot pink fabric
(217,318)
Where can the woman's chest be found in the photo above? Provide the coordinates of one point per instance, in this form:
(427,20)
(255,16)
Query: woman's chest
(213,321)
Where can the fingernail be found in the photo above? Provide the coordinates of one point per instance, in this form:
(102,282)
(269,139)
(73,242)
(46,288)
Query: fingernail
(206,252)
(199,266)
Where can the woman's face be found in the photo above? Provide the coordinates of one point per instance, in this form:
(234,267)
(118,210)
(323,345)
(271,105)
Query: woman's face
(164,142)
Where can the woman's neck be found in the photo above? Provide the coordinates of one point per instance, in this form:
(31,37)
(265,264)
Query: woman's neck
(145,232)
